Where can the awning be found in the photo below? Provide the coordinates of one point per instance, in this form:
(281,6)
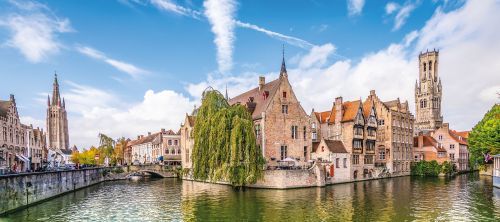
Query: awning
(23,158)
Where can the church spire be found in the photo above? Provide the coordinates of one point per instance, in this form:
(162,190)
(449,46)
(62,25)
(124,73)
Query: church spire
(283,66)
(56,100)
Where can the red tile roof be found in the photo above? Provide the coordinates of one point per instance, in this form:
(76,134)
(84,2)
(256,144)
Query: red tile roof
(322,116)
(461,140)
(428,141)
(261,97)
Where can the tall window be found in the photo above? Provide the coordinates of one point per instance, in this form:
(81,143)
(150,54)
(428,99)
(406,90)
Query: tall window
(452,156)
(170,142)
(304,132)
(440,137)
(294,132)
(257,130)
(370,145)
(284,94)
(187,155)
(345,162)
(358,131)
(368,159)
(357,144)
(284,109)
(430,65)
(176,142)
(355,159)
(314,135)
(371,132)
(283,152)
(337,162)
(381,154)
(305,152)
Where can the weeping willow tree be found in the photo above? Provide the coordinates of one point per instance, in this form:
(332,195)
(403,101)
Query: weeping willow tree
(224,143)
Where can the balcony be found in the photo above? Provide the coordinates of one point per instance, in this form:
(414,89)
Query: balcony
(357,150)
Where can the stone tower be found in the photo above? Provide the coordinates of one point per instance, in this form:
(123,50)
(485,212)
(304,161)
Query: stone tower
(57,121)
(428,93)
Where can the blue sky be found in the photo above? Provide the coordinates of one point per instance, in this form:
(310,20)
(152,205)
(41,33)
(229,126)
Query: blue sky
(132,66)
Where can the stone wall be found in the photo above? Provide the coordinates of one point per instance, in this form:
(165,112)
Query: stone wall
(21,190)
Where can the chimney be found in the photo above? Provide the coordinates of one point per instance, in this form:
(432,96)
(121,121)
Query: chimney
(162,130)
(262,82)
(372,92)
(138,137)
(446,126)
(149,133)
(338,109)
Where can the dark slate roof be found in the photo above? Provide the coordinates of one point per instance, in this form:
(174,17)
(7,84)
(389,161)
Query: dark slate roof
(335,146)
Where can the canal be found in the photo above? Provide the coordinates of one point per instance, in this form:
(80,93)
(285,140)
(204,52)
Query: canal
(468,197)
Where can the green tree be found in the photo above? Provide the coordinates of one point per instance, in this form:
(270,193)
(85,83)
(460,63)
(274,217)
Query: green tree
(106,146)
(118,151)
(485,136)
(224,143)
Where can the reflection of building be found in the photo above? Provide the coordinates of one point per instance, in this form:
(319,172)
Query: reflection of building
(22,147)
(428,92)
(282,126)
(394,135)
(187,140)
(355,124)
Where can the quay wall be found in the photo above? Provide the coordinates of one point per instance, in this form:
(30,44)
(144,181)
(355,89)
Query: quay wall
(22,190)
(18,191)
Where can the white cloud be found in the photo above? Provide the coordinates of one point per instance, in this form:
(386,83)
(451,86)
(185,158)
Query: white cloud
(402,15)
(469,43)
(34,30)
(168,5)
(355,7)
(317,56)
(289,39)
(128,68)
(220,14)
(92,111)
(391,7)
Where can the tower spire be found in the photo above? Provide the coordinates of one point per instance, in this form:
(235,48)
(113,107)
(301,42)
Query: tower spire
(227,96)
(283,65)
(56,100)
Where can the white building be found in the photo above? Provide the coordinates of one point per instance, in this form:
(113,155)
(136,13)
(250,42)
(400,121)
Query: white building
(334,158)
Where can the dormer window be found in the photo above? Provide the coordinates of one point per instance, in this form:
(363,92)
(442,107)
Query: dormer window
(284,94)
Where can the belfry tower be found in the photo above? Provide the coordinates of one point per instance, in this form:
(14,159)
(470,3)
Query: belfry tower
(57,121)
(428,93)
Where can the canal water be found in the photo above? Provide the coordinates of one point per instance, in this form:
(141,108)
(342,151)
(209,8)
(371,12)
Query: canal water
(468,197)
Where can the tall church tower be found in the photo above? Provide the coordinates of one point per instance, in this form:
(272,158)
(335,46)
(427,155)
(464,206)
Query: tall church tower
(57,121)
(428,93)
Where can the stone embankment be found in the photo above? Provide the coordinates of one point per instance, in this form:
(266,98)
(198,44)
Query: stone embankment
(18,191)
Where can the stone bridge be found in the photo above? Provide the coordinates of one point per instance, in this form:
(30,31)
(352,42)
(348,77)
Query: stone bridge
(155,169)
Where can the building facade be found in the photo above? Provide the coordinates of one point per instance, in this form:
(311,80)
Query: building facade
(455,144)
(394,135)
(187,141)
(426,148)
(428,93)
(57,120)
(334,158)
(171,147)
(18,142)
(355,124)
(282,127)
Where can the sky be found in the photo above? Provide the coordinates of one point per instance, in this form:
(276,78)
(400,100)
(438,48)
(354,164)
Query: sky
(128,67)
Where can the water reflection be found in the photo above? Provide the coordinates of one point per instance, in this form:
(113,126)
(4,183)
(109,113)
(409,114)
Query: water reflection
(465,198)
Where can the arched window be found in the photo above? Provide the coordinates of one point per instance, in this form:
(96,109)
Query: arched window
(430,65)
(425,103)
(425,67)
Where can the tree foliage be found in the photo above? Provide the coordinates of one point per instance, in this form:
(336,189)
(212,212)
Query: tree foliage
(224,143)
(432,168)
(485,136)
(107,148)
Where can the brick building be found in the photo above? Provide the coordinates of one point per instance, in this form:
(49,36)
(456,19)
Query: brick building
(355,124)
(394,135)
(282,127)
(187,141)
